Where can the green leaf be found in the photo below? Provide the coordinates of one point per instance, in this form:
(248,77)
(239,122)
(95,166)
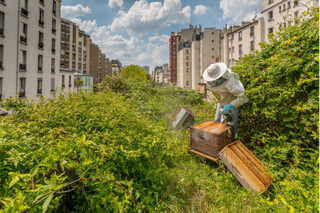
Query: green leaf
(14,181)
(47,202)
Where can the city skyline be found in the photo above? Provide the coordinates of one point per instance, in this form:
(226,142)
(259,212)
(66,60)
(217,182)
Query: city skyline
(138,32)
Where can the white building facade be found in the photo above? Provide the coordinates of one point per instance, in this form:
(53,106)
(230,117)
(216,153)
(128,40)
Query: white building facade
(29,48)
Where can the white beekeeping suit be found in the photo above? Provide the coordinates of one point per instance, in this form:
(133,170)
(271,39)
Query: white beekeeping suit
(228,90)
(231,90)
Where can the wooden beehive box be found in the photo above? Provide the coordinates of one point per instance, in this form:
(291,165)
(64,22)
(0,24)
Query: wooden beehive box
(209,138)
(246,167)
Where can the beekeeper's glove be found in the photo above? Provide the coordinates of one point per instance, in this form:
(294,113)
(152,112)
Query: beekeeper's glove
(227,109)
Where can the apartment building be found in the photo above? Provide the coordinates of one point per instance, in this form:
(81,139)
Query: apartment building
(29,54)
(161,75)
(116,67)
(146,69)
(184,64)
(205,49)
(280,13)
(238,41)
(173,49)
(75,57)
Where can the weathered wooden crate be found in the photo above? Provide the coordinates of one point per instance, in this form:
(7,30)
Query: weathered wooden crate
(183,119)
(209,138)
(246,167)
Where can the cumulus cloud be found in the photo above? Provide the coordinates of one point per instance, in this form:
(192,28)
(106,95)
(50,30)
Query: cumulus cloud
(235,14)
(145,17)
(87,25)
(68,11)
(200,9)
(114,3)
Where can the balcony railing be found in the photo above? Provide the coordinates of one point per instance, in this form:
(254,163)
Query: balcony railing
(23,39)
(54,31)
(53,50)
(39,69)
(41,23)
(41,45)
(24,11)
(23,67)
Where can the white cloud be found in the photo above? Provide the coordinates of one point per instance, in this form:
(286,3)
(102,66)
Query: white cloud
(68,11)
(113,3)
(145,17)
(87,25)
(235,14)
(200,9)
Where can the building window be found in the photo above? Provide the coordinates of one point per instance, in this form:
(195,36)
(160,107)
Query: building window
(22,90)
(52,84)
(212,40)
(232,36)
(284,7)
(187,63)
(279,9)
(39,90)
(270,15)
(70,84)
(252,31)
(23,64)
(187,57)
(54,26)
(53,65)
(285,25)
(54,7)
(41,17)
(62,81)
(295,3)
(40,63)
(1,88)
(240,49)
(41,40)
(1,56)
(289,4)
(187,70)
(270,30)
(1,23)
(233,49)
(270,1)
(187,51)
(296,14)
(42,2)
(25,6)
(212,48)
(53,46)
(240,35)
(251,45)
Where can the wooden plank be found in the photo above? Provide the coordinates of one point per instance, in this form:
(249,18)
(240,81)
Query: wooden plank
(248,170)
(204,155)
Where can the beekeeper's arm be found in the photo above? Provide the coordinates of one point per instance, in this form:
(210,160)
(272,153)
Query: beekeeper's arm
(235,87)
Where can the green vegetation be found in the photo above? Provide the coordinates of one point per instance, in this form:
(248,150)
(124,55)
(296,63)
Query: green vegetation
(113,151)
(134,73)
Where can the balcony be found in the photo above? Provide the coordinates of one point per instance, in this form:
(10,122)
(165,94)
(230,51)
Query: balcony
(23,67)
(39,69)
(24,12)
(54,31)
(41,23)
(54,12)
(23,39)
(53,50)
(1,32)
(40,45)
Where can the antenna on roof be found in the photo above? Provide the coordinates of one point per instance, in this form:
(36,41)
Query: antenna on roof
(255,14)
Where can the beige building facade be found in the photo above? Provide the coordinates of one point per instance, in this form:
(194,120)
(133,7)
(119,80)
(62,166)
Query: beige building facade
(184,65)
(29,50)
(280,13)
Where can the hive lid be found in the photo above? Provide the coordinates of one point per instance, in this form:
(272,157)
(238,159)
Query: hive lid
(212,127)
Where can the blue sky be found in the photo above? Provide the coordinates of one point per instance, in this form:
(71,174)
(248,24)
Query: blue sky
(137,31)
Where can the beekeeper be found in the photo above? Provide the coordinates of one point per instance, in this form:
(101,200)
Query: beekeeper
(228,89)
